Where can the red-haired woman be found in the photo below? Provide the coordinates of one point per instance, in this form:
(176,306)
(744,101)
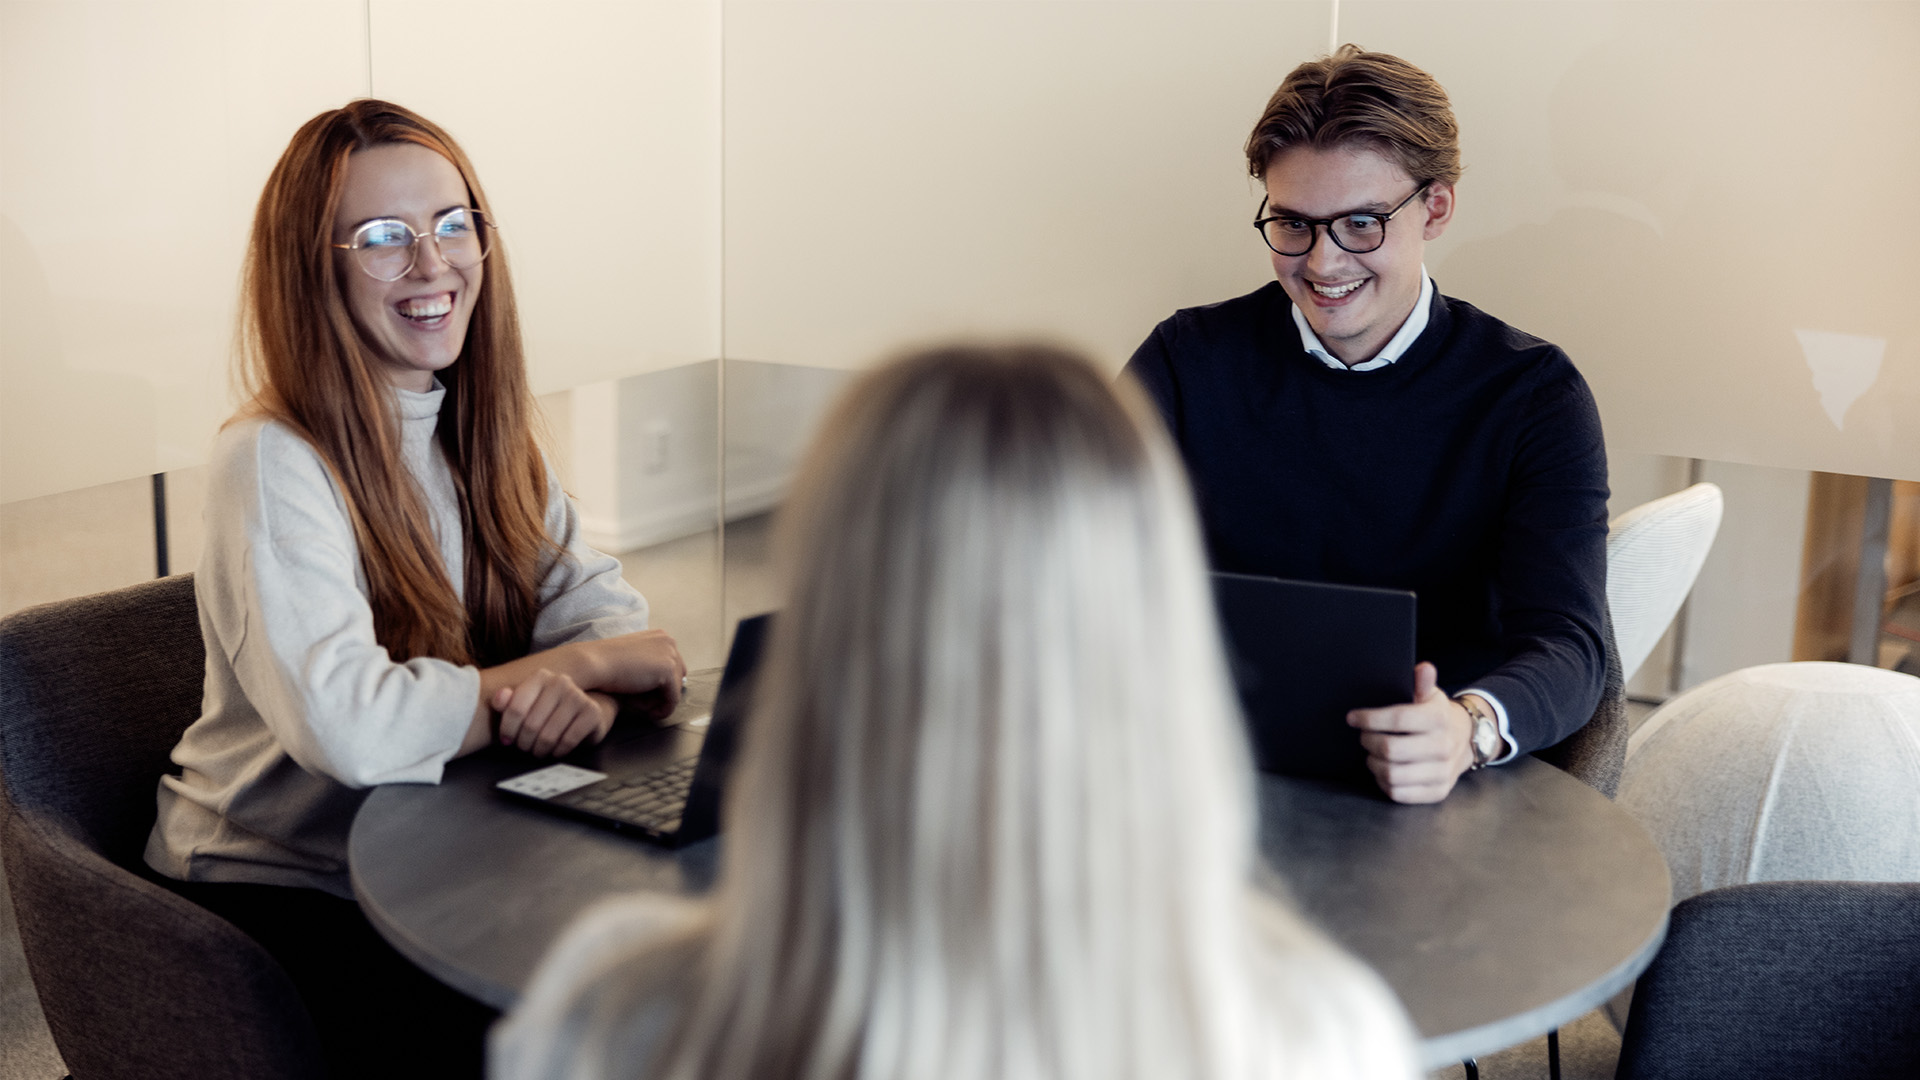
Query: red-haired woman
(391,572)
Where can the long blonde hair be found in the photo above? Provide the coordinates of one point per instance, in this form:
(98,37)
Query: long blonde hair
(996,820)
(303,363)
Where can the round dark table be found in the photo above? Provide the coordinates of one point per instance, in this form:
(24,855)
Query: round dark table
(1523,901)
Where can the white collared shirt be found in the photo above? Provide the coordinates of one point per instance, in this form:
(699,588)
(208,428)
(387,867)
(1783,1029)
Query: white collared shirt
(1392,351)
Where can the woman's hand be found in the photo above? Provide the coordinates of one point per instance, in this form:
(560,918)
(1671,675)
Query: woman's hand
(549,714)
(646,662)
(645,665)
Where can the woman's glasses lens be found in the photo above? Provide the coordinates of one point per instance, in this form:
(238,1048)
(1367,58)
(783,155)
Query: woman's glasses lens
(462,236)
(386,248)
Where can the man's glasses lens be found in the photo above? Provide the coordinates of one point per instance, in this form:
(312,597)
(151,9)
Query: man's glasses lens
(1357,233)
(386,248)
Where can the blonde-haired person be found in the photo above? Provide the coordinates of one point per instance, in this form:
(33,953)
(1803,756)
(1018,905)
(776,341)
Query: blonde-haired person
(390,570)
(994,815)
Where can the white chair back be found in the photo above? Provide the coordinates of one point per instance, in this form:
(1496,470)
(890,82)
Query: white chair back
(1654,551)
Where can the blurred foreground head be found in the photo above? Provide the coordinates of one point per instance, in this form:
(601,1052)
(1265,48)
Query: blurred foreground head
(993,815)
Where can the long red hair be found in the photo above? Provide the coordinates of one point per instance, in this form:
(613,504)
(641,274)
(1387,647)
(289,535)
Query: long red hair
(303,363)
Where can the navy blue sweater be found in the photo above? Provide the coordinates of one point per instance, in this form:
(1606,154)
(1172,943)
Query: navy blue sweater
(1471,471)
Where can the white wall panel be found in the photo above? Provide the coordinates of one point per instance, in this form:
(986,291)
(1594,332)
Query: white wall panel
(1742,609)
(1710,205)
(595,126)
(900,170)
(134,140)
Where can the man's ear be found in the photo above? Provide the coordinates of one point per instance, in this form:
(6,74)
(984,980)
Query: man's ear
(1439,202)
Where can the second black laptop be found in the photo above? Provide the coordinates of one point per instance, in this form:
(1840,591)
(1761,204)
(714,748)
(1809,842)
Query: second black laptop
(1303,655)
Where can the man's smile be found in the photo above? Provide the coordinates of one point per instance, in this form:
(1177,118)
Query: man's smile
(1336,292)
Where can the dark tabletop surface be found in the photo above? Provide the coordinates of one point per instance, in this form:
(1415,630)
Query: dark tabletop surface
(1523,901)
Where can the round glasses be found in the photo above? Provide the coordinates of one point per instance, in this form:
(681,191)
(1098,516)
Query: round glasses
(1357,233)
(385,248)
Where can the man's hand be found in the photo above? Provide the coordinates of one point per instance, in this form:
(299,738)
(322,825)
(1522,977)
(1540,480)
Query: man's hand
(1417,751)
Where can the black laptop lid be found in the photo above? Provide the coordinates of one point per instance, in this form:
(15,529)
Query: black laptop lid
(1303,655)
(730,708)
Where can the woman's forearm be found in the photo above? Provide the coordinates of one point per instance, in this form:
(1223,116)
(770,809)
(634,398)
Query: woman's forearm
(574,660)
(637,663)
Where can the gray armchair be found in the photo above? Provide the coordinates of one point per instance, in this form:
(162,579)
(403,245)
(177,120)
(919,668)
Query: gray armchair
(1598,751)
(135,981)
(1786,978)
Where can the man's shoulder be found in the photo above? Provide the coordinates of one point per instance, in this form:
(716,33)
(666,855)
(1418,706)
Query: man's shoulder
(1490,332)
(1249,310)
(1521,370)
(1499,347)
(1210,338)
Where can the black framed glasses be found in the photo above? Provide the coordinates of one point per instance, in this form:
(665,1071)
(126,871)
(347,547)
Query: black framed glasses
(385,248)
(1357,233)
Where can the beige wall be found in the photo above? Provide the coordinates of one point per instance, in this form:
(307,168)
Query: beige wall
(134,139)
(898,171)
(1708,204)
(595,125)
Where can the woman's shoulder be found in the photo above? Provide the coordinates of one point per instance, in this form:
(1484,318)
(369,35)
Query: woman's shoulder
(620,927)
(255,442)
(265,473)
(257,451)
(1333,1015)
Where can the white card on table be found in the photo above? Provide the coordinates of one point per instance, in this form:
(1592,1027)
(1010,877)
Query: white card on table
(550,781)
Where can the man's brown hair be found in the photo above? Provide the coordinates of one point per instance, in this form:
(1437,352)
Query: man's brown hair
(1361,99)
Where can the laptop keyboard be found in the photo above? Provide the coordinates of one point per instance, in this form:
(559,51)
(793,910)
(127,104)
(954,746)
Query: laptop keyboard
(654,801)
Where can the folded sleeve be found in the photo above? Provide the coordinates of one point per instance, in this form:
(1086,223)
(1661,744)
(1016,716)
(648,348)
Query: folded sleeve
(287,601)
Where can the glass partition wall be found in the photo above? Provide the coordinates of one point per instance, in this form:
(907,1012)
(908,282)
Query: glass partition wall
(718,209)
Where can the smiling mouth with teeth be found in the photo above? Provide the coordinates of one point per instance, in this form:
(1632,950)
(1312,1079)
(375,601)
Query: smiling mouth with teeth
(426,309)
(1335,292)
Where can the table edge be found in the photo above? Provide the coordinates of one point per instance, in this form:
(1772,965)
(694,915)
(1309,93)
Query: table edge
(406,944)
(1440,1051)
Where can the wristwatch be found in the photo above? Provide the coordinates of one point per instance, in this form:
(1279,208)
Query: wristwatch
(1486,740)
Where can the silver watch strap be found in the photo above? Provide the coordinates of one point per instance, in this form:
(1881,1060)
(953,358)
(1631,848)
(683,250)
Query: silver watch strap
(1479,715)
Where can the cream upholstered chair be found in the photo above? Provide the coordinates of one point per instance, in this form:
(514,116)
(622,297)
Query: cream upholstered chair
(1784,772)
(1654,551)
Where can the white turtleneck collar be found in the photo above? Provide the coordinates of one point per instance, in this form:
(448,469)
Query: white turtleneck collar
(420,405)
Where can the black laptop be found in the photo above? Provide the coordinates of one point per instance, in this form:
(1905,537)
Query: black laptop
(1303,655)
(664,784)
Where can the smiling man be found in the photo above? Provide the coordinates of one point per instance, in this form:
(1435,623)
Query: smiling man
(1348,423)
